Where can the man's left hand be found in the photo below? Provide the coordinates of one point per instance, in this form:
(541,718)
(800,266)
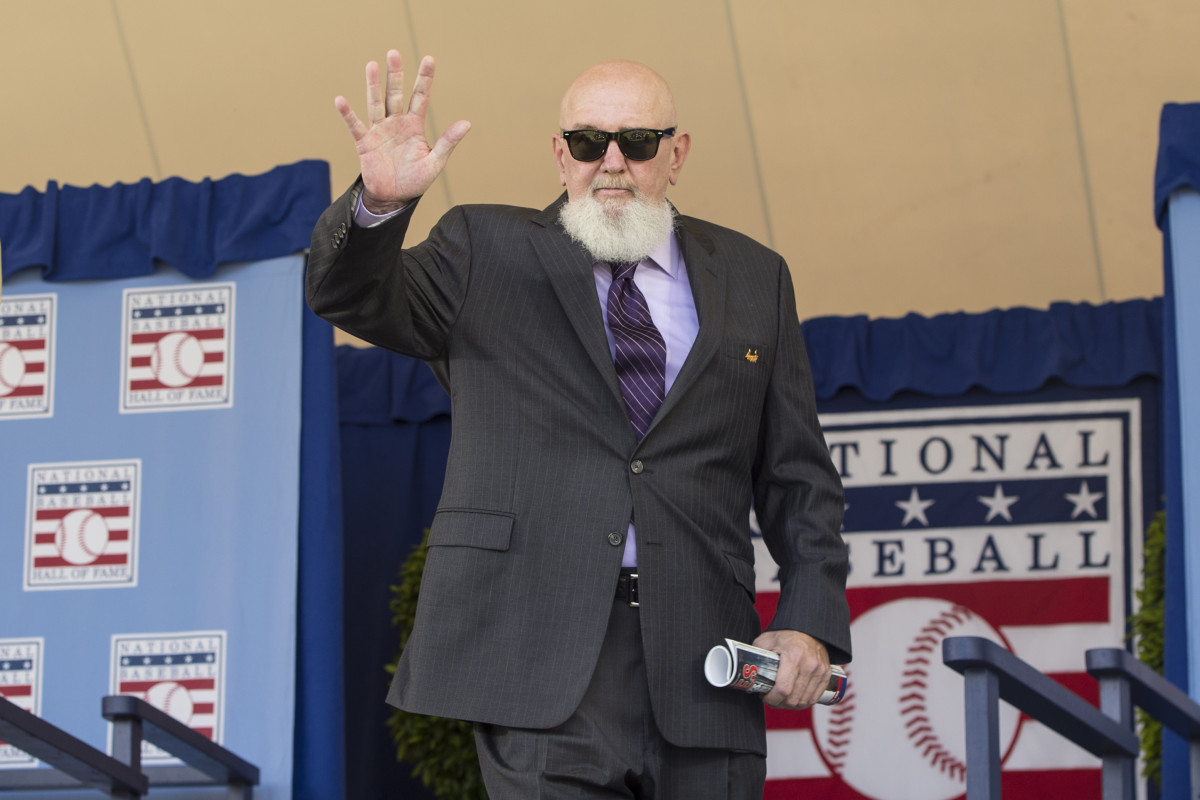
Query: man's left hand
(803,668)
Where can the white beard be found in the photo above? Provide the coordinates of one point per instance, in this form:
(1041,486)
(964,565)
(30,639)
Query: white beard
(615,232)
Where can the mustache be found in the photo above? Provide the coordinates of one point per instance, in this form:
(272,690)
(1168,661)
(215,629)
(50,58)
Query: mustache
(613,182)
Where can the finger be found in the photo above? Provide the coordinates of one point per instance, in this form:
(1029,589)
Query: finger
(781,692)
(420,93)
(394,102)
(375,107)
(356,126)
(810,685)
(449,140)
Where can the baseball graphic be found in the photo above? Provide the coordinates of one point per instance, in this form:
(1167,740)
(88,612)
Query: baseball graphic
(81,536)
(177,359)
(172,698)
(12,368)
(900,691)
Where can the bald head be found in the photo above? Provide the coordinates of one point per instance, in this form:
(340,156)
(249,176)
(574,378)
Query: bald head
(626,93)
(620,96)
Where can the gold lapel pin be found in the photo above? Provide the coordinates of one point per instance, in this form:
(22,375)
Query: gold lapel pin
(752,355)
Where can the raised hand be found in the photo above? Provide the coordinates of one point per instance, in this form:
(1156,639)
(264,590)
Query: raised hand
(395,159)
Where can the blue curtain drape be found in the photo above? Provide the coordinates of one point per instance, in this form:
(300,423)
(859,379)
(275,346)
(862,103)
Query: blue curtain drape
(395,436)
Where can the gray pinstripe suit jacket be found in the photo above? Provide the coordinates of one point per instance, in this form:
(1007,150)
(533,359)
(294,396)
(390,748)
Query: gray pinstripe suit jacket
(545,471)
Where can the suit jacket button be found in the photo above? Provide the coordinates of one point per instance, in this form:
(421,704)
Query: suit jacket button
(342,228)
(637,467)
(614,538)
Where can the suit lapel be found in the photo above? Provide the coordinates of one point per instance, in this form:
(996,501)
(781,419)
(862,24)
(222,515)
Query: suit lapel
(707,278)
(570,271)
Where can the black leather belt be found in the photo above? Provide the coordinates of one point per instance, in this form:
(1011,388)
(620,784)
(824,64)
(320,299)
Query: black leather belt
(627,586)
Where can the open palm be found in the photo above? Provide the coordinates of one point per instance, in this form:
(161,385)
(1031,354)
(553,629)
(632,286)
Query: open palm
(397,163)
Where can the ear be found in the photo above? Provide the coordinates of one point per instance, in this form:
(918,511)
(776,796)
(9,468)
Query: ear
(681,143)
(558,146)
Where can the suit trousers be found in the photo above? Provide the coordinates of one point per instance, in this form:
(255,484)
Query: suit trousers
(610,747)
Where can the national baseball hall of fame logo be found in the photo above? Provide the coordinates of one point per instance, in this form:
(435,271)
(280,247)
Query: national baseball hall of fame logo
(1018,523)
(81,527)
(177,348)
(27,324)
(182,674)
(20,684)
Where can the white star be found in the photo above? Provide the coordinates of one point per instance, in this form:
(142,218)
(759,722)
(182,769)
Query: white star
(178,311)
(1084,501)
(998,504)
(914,508)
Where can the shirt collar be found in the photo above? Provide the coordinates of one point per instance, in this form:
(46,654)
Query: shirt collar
(667,256)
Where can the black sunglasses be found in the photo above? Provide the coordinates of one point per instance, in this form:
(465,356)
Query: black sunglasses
(636,144)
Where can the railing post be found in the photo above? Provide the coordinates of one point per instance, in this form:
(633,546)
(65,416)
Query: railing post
(127,746)
(982,701)
(1153,693)
(1194,759)
(1119,770)
(240,791)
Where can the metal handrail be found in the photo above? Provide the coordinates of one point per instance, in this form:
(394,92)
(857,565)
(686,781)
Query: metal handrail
(207,763)
(75,763)
(1126,682)
(992,674)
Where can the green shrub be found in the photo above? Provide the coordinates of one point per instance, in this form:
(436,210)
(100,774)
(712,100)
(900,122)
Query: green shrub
(1147,627)
(442,751)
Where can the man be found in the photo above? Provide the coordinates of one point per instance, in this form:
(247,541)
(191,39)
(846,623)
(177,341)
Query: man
(623,381)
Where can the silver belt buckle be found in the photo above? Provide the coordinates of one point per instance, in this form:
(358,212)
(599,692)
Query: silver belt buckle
(633,590)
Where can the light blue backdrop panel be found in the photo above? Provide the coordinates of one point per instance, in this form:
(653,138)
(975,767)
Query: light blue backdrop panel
(216,515)
(1184,244)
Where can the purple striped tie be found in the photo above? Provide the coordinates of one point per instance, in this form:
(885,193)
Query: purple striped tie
(641,357)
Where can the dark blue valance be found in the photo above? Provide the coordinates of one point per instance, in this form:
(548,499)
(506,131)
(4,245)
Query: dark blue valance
(1003,351)
(1178,156)
(120,231)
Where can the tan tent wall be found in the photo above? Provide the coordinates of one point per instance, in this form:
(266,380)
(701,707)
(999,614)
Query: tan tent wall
(927,156)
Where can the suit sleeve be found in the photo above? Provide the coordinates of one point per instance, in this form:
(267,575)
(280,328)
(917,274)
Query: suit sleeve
(798,495)
(363,280)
